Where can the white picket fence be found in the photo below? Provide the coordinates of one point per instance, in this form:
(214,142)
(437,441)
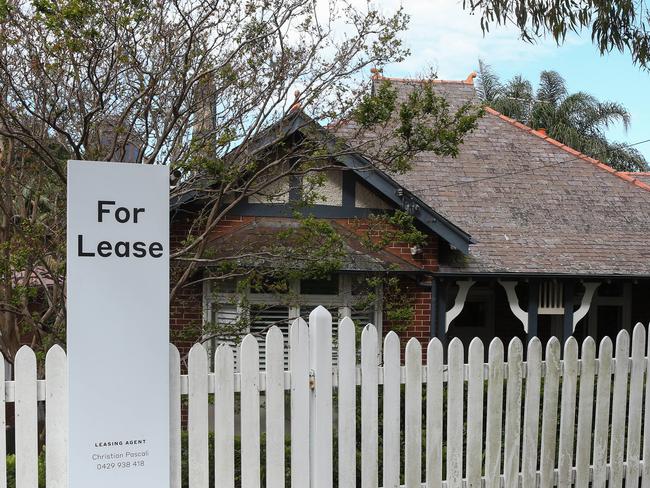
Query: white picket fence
(558,422)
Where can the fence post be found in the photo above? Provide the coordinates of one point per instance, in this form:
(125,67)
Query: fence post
(320,405)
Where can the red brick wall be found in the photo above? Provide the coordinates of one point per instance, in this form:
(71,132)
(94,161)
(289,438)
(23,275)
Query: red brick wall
(186,308)
(427,260)
(421,295)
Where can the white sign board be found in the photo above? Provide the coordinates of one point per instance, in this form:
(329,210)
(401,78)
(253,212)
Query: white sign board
(118,325)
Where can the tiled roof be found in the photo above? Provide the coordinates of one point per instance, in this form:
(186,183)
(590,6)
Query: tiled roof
(642,177)
(628,176)
(532,204)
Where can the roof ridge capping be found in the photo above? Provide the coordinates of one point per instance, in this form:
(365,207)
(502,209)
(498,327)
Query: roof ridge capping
(377,75)
(541,133)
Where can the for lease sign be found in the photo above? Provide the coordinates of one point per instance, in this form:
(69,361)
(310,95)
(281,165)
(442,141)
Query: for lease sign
(118,325)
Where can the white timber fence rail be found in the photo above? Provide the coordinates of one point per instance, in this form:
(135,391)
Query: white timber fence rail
(565,418)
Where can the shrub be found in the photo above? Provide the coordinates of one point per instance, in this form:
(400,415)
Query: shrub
(11,470)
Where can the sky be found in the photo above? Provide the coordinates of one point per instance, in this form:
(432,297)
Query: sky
(444,37)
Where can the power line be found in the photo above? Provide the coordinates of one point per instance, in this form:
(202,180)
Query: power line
(530,170)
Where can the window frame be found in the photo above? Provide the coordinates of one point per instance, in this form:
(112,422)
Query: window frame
(343,301)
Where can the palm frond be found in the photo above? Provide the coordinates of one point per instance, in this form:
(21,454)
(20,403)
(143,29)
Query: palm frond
(488,85)
(552,88)
(519,88)
(578,120)
(625,158)
(608,113)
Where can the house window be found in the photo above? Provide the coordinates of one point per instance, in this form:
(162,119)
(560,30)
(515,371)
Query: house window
(230,310)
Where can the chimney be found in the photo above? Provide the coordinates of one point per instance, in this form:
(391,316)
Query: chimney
(375,77)
(205,101)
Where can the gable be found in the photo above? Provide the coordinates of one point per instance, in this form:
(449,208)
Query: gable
(335,192)
(377,190)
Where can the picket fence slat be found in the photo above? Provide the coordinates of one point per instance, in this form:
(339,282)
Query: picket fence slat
(391,411)
(531,414)
(619,411)
(475,388)
(455,393)
(645,471)
(3,425)
(568,412)
(274,408)
(571,417)
(320,340)
(549,412)
(601,418)
(434,412)
(299,364)
(175,474)
(26,420)
(513,414)
(634,414)
(347,404)
(413,415)
(369,408)
(197,413)
(494,407)
(585,411)
(250,413)
(56,418)
(175,449)
(224,418)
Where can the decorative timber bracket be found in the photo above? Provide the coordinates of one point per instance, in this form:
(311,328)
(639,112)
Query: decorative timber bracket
(590,289)
(409,202)
(513,301)
(522,315)
(459,304)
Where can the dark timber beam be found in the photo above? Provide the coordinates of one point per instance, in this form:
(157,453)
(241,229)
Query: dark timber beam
(567,329)
(349,185)
(533,304)
(288,210)
(434,324)
(441,311)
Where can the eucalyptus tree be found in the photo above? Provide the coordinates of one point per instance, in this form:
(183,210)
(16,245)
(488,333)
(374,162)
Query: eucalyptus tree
(622,25)
(578,120)
(197,85)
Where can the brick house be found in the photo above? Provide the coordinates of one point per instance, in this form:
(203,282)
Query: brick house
(525,237)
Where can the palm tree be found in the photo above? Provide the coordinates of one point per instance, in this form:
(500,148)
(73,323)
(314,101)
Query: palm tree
(578,120)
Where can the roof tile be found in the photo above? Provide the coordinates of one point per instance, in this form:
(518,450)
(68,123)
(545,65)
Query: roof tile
(532,204)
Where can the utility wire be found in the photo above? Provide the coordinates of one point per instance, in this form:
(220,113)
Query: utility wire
(530,170)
